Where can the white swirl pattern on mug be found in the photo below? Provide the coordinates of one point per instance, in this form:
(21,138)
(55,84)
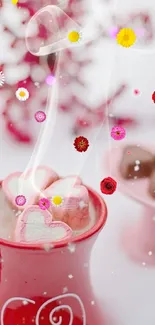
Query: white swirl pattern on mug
(62,307)
(10,300)
(59,322)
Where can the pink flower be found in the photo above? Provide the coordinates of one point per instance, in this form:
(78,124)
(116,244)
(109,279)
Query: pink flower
(20,200)
(44,204)
(40,116)
(118,133)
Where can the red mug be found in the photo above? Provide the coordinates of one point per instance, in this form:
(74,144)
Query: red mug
(51,286)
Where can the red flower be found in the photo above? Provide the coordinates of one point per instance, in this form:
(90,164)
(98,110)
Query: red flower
(153,97)
(108,185)
(81,144)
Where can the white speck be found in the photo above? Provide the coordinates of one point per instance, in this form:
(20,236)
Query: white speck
(92,302)
(25,302)
(153,218)
(82,204)
(65,289)
(42,317)
(135,177)
(70,276)
(47,247)
(37,84)
(45,293)
(150,253)
(143,263)
(71,247)
(55,320)
(136,168)
(6,280)
(137,162)
(18,213)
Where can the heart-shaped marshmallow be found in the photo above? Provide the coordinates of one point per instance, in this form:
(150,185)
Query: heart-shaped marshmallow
(69,202)
(36,226)
(27,186)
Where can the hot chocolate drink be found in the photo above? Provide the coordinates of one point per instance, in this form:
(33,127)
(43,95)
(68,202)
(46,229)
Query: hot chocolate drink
(45,208)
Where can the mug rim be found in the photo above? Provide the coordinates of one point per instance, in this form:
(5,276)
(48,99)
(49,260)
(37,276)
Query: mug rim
(101,220)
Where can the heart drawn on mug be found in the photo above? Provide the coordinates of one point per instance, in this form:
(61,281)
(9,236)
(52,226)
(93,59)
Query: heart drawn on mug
(56,309)
(36,226)
(28,185)
(69,201)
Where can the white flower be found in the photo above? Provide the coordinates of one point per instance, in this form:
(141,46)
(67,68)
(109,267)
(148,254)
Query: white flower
(22,94)
(2,78)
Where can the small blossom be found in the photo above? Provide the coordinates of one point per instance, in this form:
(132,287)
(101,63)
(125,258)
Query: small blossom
(22,94)
(81,144)
(44,204)
(118,133)
(108,186)
(20,200)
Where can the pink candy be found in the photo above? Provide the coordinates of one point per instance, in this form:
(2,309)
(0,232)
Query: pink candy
(17,184)
(36,226)
(62,205)
(69,202)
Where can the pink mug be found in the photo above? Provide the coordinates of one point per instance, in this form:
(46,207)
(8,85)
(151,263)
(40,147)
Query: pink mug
(51,286)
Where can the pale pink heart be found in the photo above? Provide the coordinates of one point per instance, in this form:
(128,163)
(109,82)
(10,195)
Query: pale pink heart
(74,208)
(36,226)
(17,184)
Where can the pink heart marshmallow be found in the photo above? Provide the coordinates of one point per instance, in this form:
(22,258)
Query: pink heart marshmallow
(69,202)
(35,226)
(16,184)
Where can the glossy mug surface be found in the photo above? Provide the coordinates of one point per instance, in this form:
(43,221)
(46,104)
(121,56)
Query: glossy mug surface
(50,285)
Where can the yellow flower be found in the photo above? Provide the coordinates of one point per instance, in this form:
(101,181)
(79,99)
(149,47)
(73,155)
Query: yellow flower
(126,37)
(14,2)
(57,200)
(74,36)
